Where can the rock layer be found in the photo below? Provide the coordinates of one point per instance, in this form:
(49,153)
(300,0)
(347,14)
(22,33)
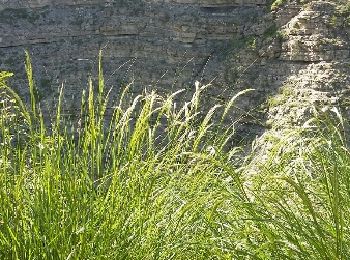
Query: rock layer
(295,56)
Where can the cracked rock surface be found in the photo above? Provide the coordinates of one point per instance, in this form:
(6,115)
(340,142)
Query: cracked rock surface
(295,57)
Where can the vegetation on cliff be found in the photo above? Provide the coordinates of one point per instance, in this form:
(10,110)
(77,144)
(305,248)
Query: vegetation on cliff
(159,181)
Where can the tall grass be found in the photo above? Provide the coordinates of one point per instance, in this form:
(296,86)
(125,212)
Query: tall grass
(158,181)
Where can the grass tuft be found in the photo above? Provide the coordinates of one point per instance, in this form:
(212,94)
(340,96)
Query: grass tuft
(157,181)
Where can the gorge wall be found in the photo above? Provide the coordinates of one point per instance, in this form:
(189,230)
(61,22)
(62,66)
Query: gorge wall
(295,56)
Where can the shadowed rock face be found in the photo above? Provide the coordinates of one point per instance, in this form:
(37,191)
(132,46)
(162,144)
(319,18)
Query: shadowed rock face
(167,45)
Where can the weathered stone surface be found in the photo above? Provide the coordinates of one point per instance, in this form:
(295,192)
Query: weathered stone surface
(298,49)
(318,54)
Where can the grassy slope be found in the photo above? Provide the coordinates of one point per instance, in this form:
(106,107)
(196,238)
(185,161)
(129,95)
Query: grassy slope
(134,189)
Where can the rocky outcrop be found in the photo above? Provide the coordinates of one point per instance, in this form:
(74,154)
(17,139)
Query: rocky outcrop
(316,51)
(295,56)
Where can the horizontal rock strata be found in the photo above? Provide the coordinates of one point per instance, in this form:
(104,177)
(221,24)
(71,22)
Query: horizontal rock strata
(299,49)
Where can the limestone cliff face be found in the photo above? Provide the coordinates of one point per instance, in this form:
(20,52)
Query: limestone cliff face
(316,51)
(296,55)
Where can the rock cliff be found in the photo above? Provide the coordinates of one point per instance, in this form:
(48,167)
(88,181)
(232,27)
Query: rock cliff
(295,56)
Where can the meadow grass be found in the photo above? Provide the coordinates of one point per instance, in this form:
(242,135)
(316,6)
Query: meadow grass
(159,181)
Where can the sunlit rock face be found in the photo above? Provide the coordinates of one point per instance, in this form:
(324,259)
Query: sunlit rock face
(316,51)
(298,49)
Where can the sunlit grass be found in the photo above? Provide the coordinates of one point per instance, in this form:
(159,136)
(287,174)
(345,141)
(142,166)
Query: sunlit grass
(158,181)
